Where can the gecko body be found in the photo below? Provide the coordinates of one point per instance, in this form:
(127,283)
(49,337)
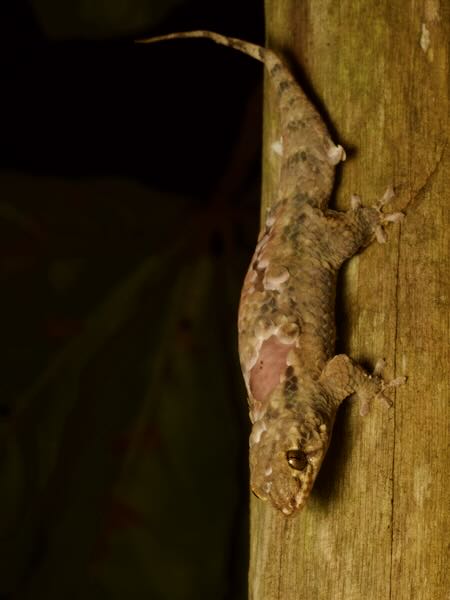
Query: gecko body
(286,322)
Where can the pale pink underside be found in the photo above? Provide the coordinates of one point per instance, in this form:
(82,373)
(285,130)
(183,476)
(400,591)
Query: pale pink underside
(268,369)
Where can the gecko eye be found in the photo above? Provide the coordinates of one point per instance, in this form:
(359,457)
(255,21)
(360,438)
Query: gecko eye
(297,459)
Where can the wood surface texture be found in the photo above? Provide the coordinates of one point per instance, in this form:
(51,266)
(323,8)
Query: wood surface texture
(377,524)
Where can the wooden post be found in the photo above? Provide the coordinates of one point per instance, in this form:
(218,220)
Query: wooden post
(377,525)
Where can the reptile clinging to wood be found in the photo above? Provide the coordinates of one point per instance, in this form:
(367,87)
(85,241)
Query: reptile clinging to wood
(295,382)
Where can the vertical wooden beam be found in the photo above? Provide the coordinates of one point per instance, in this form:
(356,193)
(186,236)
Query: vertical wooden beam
(378,522)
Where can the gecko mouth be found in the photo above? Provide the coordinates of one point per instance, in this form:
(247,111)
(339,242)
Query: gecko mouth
(287,493)
(298,500)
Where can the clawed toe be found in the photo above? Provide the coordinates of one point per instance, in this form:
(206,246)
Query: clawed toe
(386,385)
(383,387)
(385,218)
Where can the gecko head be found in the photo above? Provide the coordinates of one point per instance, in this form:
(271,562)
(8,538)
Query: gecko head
(285,457)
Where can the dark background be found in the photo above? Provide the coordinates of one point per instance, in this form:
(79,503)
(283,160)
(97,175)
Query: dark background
(129,202)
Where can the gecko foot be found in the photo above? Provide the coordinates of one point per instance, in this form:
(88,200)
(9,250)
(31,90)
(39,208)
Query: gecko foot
(385,218)
(384,386)
(343,377)
(381,219)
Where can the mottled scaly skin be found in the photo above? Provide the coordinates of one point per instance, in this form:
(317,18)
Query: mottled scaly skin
(286,317)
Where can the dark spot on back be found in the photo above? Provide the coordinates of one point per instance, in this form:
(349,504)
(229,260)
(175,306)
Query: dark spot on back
(291,382)
(291,231)
(275,69)
(290,386)
(273,413)
(295,124)
(294,99)
(294,159)
(301,198)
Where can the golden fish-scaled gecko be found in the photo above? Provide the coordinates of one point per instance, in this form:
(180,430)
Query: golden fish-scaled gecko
(286,323)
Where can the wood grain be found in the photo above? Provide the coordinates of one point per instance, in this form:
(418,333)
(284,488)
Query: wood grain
(378,522)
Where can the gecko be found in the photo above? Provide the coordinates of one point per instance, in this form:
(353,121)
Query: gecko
(286,323)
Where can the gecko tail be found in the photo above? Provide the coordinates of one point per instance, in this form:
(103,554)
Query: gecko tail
(301,125)
(257,52)
(293,97)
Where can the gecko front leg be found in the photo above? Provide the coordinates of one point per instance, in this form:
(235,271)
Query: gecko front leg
(342,377)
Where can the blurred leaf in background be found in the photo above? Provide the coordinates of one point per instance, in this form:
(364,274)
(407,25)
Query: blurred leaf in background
(129,205)
(100,18)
